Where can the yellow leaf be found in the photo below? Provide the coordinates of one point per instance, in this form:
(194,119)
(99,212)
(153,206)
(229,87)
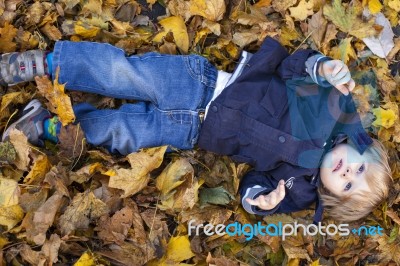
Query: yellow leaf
(142,163)
(384,118)
(315,263)
(87,259)
(394,4)
(178,28)
(6,39)
(59,102)
(9,98)
(178,249)
(345,51)
(374,6)
(3,241)
(302,10)
(213,10)
(348,20)
(11,215)
(22,147)
(173,175)
(85,30)
(121,28)
(288,35)
(9,192)
(200,34)
(39,170)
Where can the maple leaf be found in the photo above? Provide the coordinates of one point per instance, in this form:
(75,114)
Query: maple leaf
(39,169)
(348,21)
(282,6)
(213,10)
(302,10)
(59,102)
(8,33)
(142,163)
(345,51)
(385,117)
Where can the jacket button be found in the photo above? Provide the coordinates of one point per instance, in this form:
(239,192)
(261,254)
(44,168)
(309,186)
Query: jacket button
(215,109)
(281,139)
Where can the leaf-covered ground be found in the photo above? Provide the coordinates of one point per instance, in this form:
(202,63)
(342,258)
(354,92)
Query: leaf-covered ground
(76,204)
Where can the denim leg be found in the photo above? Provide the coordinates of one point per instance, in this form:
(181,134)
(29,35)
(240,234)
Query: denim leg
(138,125)
(168,81)
(171,89)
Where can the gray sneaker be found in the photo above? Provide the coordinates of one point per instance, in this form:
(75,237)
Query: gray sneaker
(19,67)
(31,123)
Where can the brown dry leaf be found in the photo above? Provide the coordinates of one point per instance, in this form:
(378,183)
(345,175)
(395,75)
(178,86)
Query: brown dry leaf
(317,27)
(72,142)
(22,147)
(220,261)
(388,251)
(31,256)
(51,32)
(282,6)
(8,33)
(180,8)
(329,36)
(244,38)
(31,201)
(213,10)
(35,13)
(86,172)
(121,29)
(50,249)
(115,228)
(9,192)
(142,163)
(83,208)
(348,20)
(39,169)
(26,40)
(43,218)
(295,252)
(254,16)
(213,215)
(59,102)
(302,10)
(57,178)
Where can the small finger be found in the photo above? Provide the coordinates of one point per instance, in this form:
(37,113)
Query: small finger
(351,85)
(343,89)
(344,79)
(339,65)
(281,192)
(252,202)
(272,198)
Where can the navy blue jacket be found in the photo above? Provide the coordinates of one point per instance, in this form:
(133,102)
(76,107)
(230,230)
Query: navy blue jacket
(276,118)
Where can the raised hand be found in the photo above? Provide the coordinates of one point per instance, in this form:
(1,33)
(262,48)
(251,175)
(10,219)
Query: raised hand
(337,73)
(268,202)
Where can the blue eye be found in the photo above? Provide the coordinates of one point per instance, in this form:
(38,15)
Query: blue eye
(348,186)
(361,169)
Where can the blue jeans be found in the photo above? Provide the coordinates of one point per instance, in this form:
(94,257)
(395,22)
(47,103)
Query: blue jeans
(171,92)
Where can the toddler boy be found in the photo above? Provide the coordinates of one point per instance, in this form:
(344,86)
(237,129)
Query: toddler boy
(277,112)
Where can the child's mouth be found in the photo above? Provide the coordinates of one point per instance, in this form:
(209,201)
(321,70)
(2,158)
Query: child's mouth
(338,166)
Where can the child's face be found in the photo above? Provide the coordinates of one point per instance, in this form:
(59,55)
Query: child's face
(343,170)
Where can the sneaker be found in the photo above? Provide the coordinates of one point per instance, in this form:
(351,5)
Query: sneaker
(31,123)
(19,67)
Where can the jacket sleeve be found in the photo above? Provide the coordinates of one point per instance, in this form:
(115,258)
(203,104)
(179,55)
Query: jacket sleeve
(252,185)
(301,64)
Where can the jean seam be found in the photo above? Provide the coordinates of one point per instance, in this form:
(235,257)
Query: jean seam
(127,113)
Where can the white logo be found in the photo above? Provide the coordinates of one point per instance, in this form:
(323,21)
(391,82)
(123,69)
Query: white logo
(289,182)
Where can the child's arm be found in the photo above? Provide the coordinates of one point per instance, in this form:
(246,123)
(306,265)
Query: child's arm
(322,69)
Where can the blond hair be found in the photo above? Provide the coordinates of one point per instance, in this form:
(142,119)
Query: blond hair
(358,205)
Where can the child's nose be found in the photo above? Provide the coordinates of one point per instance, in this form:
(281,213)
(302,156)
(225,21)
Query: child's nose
(347,172)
